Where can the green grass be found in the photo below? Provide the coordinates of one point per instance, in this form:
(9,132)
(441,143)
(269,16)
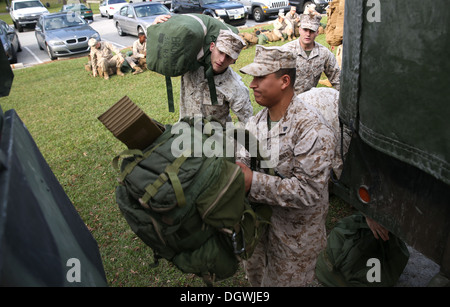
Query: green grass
(59,103)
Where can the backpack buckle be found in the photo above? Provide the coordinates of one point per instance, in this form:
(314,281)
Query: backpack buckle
(233,239)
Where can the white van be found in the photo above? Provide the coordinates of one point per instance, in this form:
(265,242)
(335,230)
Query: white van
(26,13)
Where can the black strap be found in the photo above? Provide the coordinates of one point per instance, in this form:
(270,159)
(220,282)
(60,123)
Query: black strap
(209,75)
(170,94)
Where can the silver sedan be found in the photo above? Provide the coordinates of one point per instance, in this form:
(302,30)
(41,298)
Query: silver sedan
(64,34)
(137,17)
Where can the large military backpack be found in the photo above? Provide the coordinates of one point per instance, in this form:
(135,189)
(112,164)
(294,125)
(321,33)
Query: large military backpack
(181,44)
(190,207)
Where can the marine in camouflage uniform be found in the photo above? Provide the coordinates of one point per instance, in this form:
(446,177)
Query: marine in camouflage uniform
(287,253)
(312,62)
(103,59)
(231,91)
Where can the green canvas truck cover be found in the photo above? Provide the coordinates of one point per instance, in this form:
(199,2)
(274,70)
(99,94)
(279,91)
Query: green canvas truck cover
(394,80)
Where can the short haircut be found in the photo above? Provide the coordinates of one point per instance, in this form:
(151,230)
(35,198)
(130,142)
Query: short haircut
(141,34)
(291,72)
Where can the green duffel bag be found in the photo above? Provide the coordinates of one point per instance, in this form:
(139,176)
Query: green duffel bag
(181,44)
(353,257)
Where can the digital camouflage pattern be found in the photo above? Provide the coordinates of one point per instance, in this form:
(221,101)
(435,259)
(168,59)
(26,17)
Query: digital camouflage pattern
(326,102)
(309,69)
(268,60)
(310,21)
(232,94)
(287,254)
(230,43)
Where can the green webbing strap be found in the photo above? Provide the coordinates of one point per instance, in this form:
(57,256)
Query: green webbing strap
(170,94)
(209,74)
(172,173)
(130,166)
(152,189)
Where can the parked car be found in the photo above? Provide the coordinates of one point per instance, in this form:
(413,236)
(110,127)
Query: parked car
(321,5)
(10,41)
(79,8)
(231,12)
(25,13)
(260,10)
(109,7)
(137,17)
(62,34)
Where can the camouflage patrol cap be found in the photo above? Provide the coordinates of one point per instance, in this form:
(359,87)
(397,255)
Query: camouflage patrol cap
(230,43)
(310,21)
(92,42)
(269,60)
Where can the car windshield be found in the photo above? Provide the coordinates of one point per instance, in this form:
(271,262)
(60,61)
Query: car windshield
(75,7)
(213,1)
(63,21)
(150,10)
(116,1)
(27,4)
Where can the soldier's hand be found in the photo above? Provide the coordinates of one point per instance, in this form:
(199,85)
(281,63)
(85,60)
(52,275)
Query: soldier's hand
(161,19)
(248,175)
(377,230)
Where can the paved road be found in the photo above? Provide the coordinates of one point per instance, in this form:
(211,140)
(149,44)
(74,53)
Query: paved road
(31,54)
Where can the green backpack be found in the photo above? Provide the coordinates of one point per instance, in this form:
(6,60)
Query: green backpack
(349,259)
(181,44)
(190,209)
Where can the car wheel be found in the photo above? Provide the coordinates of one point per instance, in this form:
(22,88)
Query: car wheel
(119,30)
(258,15)
(107,15)
(19,47)
(19,28)
(14,56)
(50,53)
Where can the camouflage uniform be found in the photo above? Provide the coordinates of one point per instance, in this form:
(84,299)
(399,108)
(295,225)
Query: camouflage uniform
(287,253)
(104,60)
(139,54)
(283,26)
(310,68)
(231,92)
(325,101)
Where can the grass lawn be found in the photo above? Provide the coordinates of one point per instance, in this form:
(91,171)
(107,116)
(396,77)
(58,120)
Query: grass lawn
(59,103)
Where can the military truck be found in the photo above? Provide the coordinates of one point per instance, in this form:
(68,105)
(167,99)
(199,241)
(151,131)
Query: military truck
(394,98)
(43,240)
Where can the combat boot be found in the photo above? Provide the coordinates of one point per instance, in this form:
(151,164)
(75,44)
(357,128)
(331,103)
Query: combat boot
(137,70)
(119,72)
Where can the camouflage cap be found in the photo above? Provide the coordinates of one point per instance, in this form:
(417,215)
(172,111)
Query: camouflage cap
(92,42)
(230,43)
(269,60)
(310,21)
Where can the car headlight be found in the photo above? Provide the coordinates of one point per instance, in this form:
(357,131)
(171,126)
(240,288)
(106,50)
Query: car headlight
(55,42)
(221,12)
